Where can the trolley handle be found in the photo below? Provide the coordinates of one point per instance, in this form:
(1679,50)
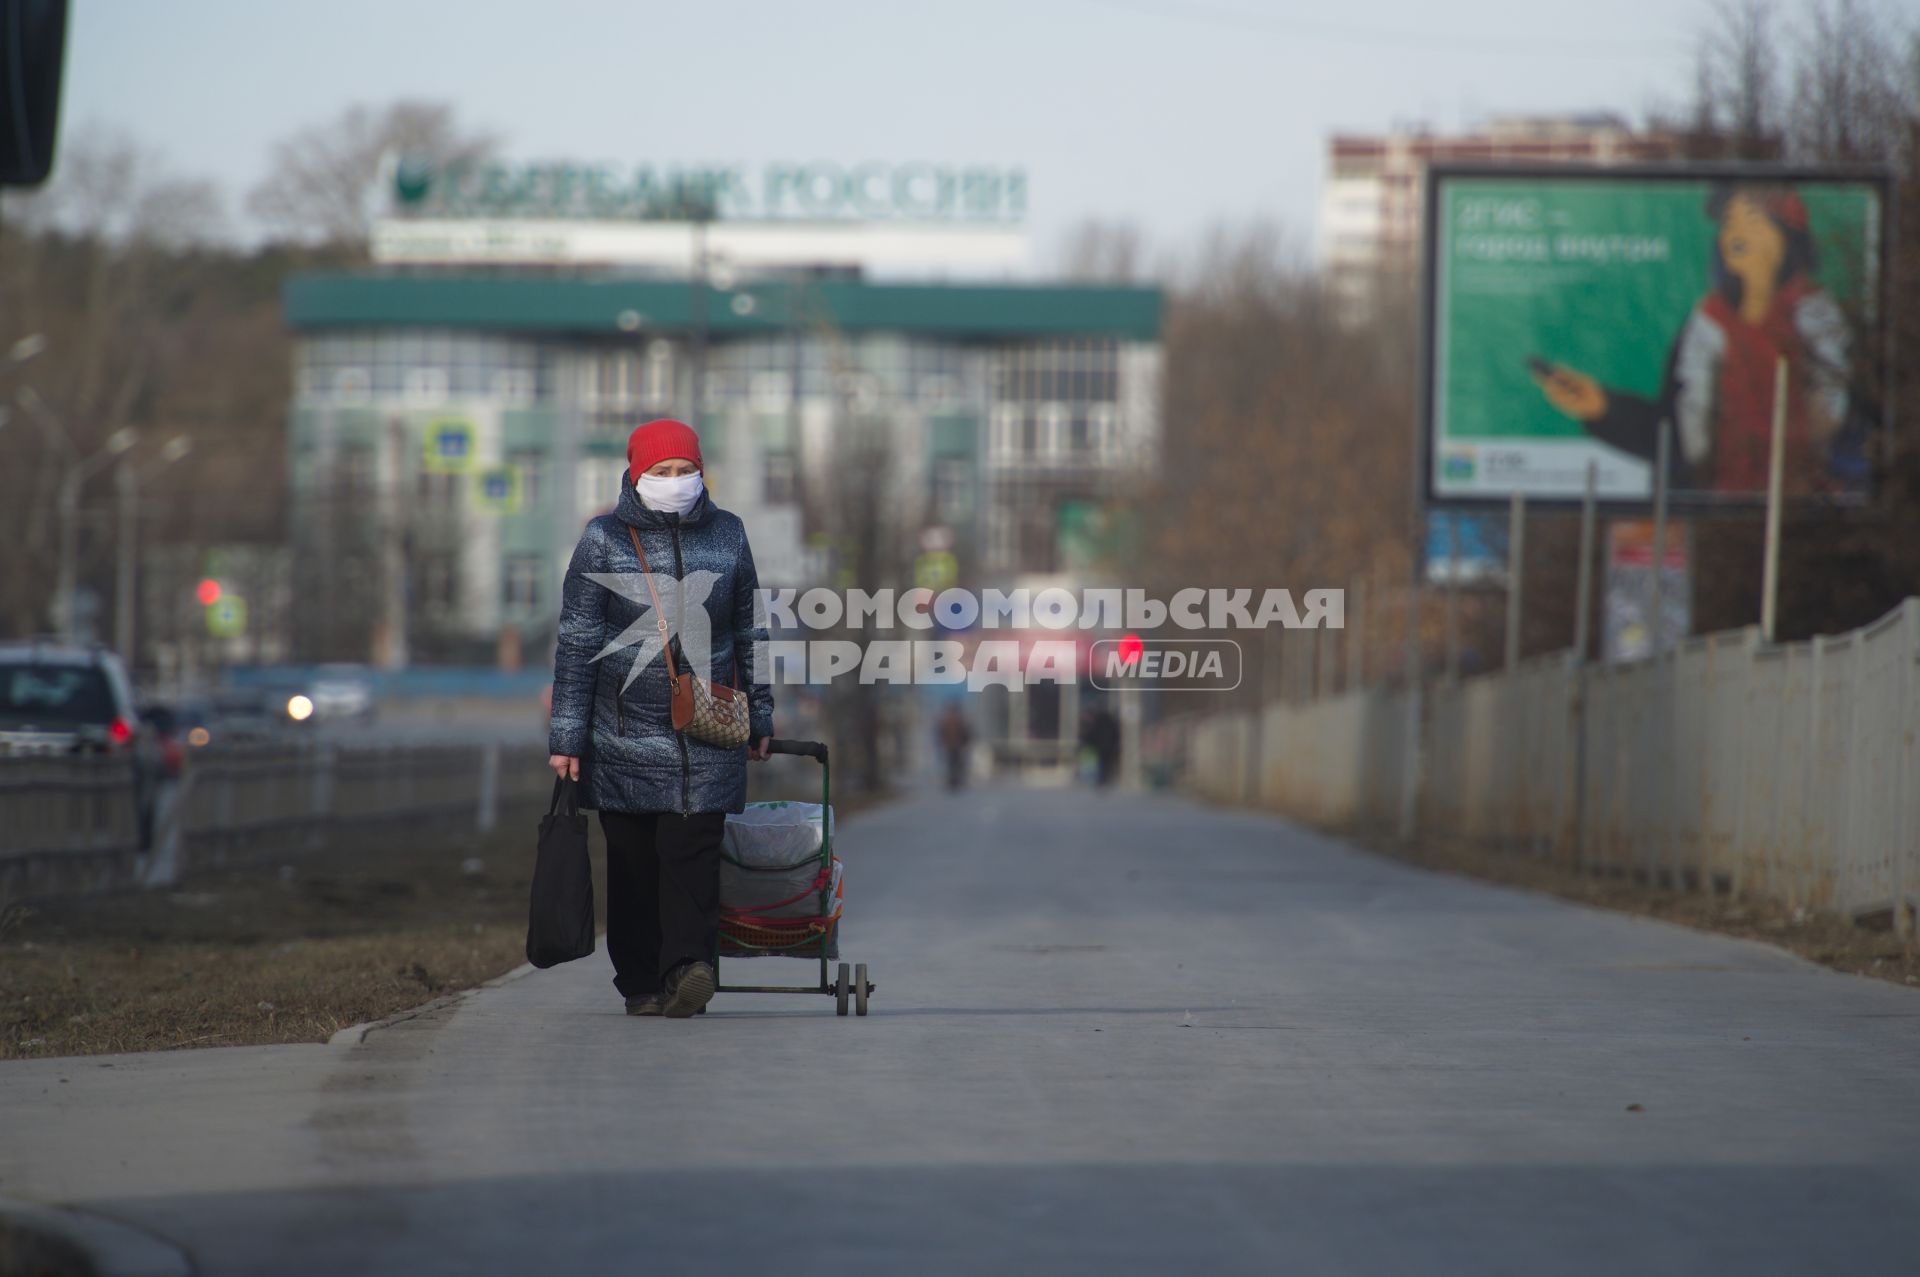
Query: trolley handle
(810,748)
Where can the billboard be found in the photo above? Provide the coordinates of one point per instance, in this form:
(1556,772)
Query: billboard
(1626,612)
(1575,313)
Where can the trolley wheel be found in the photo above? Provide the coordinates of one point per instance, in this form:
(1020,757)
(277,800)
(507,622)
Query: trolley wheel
(841,988)
(860,989)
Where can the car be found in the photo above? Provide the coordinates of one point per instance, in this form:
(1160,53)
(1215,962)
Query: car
(63,698)
(239,714)
(341,692)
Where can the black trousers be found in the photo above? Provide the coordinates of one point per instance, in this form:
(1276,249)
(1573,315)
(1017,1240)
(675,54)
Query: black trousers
(663,893)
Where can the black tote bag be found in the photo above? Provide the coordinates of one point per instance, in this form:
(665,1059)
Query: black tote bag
(560,920)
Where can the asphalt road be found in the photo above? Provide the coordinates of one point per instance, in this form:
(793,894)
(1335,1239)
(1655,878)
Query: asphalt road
(1113,1034)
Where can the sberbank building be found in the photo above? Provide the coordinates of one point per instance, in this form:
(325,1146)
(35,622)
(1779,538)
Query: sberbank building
(884,392)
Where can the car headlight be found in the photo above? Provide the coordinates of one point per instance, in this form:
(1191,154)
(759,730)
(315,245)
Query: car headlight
(299,708)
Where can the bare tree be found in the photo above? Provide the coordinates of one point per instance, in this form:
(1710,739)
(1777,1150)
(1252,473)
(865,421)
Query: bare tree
(112,188)
(323,180)
(1854,100)
(1286,447)
(147,321)
(1736,111)
(1097,251)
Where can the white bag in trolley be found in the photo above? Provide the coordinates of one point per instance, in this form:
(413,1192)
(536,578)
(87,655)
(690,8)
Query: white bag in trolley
(770,856)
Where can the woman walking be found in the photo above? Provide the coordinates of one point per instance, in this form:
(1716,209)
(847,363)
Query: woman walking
(666,564)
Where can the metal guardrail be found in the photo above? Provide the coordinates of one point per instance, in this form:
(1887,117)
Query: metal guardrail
(67,822)
(1791,772)
(71,824)
(67,804)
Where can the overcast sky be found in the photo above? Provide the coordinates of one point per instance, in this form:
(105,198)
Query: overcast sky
(1171,114)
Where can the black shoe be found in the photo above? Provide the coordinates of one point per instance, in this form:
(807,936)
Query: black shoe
(689,989)
(646,1004)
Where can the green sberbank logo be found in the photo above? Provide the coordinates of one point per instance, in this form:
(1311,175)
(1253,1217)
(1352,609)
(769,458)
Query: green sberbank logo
(412,178)
(813,191)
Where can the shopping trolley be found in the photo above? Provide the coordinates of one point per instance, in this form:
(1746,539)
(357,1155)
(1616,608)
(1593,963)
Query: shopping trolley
(746,933)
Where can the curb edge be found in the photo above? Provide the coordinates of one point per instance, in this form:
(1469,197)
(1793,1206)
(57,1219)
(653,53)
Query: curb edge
(355,1034)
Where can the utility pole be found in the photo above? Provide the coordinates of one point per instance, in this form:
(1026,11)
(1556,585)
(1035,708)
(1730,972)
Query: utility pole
(393,555)
(1453,518)
(127,486)
(1516,563)
(68,504)
(1583,574)
(126,489)
(796,351)
(1776,455)
(697,312)
(1657,621)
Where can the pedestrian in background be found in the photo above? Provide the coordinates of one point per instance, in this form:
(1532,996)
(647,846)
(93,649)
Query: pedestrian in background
(956,735)
(663,795)
(1100,733)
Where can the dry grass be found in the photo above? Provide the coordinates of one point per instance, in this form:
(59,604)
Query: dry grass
(1833,941)
(266,953)
(276,952)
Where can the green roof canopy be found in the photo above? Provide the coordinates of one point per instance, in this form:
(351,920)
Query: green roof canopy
(549,304)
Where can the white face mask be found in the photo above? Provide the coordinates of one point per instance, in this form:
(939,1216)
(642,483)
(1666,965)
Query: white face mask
(672,494)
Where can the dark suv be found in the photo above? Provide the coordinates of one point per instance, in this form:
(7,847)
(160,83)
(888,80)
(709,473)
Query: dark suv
(63,698)
(59,698)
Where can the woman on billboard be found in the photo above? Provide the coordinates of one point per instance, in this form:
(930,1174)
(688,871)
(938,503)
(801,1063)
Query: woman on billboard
(1717,394)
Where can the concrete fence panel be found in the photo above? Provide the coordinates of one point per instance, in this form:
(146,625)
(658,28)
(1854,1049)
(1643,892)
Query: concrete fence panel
(1790,772)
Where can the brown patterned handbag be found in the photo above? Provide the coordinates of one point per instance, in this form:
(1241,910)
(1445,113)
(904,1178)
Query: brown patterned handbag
(710,712)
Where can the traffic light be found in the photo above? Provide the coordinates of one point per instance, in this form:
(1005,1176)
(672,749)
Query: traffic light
(208,592)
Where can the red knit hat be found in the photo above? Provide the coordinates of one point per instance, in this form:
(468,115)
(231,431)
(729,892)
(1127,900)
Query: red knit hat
(654,442)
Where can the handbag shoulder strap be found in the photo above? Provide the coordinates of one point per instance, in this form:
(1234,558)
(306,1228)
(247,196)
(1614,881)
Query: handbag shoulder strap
(659,613)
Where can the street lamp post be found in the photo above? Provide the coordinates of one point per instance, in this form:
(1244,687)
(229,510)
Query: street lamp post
(127,483)
(26,348)
(697,344)
(65,593)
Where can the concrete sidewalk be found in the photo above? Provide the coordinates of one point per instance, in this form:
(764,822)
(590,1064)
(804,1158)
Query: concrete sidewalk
(1113,1033)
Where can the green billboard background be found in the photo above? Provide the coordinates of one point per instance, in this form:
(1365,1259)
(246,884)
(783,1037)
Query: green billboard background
(1598,273)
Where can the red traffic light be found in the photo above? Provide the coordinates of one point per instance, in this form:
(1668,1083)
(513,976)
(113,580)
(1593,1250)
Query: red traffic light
(1130,648)
(208,592)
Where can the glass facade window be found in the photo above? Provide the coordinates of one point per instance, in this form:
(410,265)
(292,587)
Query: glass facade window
(356,468)
(1085,371)
(427,387)
(597,484)
(989,433)
(351,384)
(779,484)
(439,492)
(1005,443)
(1103,431)
(520,587)
(952,489)
(1054,403)
(1054,435)
(436,580)
(420,365)
(532,465)
(771,390)
(514,386)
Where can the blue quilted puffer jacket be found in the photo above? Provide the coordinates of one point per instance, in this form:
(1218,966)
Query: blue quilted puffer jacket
(631,759)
